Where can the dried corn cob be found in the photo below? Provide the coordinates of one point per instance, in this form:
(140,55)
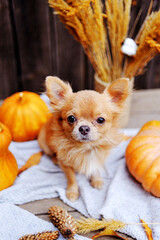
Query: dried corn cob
(63,221)
(42,236)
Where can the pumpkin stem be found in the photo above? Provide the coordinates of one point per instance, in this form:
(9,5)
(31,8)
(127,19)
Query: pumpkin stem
(20,96)
(1,128)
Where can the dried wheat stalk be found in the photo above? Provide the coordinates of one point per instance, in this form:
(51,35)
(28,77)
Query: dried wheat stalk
(84,19)
(101,30)
(118,18)
(85,225)
(108,227)
(149,45)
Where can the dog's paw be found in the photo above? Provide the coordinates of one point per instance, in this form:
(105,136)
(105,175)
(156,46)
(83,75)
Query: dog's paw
(72,195)
(97,183)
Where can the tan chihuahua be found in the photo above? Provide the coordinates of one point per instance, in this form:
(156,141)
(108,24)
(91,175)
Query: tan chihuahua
(82,130)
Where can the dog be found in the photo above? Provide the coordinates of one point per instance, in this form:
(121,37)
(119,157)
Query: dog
(82,130)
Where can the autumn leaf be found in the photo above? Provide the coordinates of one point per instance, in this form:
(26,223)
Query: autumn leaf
(147,230)
(33,160)
(108,232)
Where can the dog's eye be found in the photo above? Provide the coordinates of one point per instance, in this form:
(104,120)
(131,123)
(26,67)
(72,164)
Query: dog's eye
(100,120)
(71,119)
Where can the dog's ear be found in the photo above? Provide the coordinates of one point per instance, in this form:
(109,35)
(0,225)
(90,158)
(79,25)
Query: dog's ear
(57,90)
(118,91)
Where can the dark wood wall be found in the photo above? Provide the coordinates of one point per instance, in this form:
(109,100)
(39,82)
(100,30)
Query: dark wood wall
(34,44)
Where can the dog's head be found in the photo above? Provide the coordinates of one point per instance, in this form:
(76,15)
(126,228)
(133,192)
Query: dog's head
(86,115)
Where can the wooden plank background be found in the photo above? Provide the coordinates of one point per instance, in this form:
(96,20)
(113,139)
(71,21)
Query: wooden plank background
(34,44)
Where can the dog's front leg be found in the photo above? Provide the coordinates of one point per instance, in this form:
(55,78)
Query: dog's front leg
(96,181)
(72,192)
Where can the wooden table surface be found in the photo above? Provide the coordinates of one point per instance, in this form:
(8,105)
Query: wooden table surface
(145,106)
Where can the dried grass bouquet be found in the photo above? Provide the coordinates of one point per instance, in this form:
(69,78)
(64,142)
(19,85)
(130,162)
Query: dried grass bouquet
(102,29)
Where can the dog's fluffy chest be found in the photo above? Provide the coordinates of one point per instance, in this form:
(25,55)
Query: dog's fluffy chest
(89,164)
(88,161)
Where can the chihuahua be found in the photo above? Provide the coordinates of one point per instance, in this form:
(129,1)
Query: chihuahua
(82,130)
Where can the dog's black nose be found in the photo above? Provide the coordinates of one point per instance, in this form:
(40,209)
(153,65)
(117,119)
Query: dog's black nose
(84,130)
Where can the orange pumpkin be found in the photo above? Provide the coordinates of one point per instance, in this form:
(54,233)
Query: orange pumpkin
(24,113)
(143,157)
(8,164)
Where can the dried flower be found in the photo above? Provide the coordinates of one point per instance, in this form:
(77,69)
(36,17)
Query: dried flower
(129,47)
(63,221)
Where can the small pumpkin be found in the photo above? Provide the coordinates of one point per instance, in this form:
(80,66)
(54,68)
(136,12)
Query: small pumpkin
(8,164)
(24,113)
(143,157)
